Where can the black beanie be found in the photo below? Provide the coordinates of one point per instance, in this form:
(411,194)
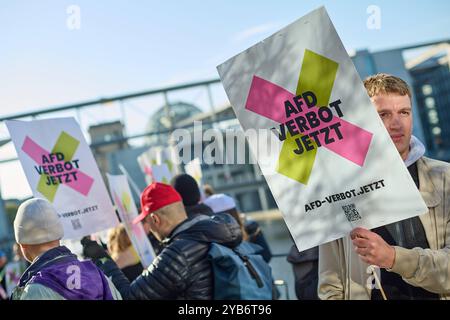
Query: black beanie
(187,187)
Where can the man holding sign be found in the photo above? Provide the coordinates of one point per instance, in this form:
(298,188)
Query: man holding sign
(315,134)
(413,254)
(331,164)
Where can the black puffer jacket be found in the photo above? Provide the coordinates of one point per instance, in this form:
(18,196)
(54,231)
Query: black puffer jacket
(182,269)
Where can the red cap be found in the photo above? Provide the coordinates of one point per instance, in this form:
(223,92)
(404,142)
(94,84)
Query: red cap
(156,196)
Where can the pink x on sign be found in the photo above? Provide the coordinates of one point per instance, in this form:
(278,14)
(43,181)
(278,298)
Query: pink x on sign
(73,178)
(267,99)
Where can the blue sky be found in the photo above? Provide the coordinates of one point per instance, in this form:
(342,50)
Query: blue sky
(126,46)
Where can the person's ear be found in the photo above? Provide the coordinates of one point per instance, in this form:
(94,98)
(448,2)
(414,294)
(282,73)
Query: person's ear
(155,218)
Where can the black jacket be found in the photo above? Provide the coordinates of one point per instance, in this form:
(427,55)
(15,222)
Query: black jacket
(182,269)
(200,208)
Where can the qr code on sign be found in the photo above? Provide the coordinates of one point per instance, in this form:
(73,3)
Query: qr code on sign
(76,224)
(351,213)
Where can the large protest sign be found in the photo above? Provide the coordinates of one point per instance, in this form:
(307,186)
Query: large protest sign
(60,167)
(319,141)
(121,194)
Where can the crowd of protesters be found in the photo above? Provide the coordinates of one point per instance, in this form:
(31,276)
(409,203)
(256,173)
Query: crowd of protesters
(182,225)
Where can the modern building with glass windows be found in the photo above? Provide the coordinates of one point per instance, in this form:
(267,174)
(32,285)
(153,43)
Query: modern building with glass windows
(431,83)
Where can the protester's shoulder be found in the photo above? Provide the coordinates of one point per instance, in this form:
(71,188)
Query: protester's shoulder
(180,255)
(437,166)
(36,291)
(185,246)
(204,209)
(199,209)
(221,228)
(331,245)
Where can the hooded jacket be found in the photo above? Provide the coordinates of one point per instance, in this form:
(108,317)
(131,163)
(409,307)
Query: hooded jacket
(59,275)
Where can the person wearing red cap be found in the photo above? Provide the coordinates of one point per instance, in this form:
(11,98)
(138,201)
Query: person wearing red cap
(182,269)
(161,210)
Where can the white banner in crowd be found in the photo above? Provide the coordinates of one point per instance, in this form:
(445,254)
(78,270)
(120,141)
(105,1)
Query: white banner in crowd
(121,194)
(154,161)
(322,147)
(161,173)
(60,167)
(194,169)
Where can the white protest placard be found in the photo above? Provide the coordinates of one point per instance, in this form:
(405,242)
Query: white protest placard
(121,194)
(60,167)
(194,169)
(319,141)
(145,163)
(158,156)
(161,173)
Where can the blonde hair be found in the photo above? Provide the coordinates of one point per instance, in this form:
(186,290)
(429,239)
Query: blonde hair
(118,240)
(383,83)
(208,190)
